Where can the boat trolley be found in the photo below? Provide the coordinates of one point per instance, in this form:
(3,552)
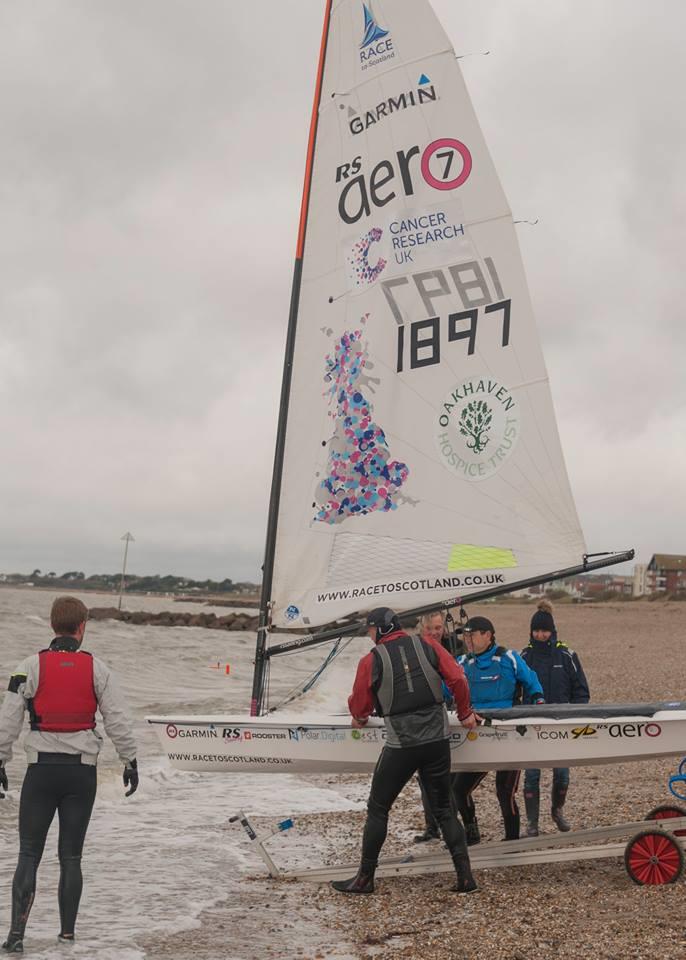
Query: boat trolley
(652,850)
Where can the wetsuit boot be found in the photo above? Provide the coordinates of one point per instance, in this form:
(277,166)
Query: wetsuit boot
(471,832)
(463,869)
(559,795)
(362,882)
(14,943)
(532,801)
(23,891)
(426,836)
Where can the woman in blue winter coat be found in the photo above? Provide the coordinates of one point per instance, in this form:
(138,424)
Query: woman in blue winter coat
(563,680)
(494,675)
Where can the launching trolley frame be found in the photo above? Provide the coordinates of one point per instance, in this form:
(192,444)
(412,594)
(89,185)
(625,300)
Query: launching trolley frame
(653,853)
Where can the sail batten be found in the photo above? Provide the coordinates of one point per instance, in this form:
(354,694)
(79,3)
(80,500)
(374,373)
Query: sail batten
(421,455)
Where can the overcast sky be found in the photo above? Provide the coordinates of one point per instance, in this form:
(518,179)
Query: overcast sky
(151,161)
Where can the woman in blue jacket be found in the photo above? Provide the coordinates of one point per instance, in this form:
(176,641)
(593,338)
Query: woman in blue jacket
(494,675)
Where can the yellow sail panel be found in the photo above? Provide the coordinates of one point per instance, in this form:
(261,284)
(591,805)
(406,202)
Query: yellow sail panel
(466,556)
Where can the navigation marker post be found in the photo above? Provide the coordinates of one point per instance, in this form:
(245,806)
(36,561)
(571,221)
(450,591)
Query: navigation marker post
(128,539)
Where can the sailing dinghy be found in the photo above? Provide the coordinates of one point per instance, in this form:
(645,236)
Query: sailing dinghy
(418,463)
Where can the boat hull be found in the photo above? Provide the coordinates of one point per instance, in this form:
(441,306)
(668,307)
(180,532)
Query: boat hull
(239,744)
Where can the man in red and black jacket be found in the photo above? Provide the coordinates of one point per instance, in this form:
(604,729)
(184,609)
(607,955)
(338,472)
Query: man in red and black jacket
(401,679)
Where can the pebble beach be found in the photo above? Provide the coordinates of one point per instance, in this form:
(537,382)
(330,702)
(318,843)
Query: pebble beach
(632,652)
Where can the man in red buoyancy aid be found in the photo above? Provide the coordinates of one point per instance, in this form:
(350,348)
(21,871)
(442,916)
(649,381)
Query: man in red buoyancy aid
(61,688)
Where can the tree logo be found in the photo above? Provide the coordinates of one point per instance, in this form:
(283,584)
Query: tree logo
(477,428)
(475,420)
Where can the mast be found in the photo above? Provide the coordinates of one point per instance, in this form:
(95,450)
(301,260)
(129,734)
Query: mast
(259,675)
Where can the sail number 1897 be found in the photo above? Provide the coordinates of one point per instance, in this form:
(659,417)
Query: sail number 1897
(419,342)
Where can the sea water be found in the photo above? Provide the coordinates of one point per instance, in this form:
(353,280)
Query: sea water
(155,861)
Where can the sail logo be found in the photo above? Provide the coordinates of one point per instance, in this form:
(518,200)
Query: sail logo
(444,164)
(477,428)
(377,45)
(292,612)
(425,92)
(361,271)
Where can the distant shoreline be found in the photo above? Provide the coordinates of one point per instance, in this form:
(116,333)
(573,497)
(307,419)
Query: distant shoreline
(212,599)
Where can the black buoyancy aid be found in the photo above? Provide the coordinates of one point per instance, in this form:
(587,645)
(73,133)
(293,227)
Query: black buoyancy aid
(406,680)
(65,700)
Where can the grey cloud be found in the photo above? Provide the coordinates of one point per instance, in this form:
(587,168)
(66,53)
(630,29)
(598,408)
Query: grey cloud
(151,161)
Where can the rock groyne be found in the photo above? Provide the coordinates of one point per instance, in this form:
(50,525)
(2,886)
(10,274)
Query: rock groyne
(176,618)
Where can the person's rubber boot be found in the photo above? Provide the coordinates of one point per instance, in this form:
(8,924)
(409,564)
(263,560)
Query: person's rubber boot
(426,836)
(560,820)
(463,869)
(14,943)
(511,823)
(532,802)
(362,882)
(472,834)
(558,797)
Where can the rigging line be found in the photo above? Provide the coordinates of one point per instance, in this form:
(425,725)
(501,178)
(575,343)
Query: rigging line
(299,691)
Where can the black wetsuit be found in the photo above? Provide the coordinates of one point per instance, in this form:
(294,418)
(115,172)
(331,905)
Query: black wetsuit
(393,770)
(58,783)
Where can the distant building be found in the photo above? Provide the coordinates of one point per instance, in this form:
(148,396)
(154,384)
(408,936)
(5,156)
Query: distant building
(640,580)
(666,573)
(588,585)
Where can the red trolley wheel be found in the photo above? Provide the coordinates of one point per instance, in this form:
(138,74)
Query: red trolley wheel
(668,811)
(654,857)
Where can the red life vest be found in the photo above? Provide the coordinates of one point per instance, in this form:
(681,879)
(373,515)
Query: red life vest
(65,700)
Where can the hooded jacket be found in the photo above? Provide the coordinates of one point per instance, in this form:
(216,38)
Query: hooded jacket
(494,676)
(559,670)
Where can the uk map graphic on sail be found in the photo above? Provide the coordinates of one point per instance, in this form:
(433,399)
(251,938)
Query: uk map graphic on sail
(361,477)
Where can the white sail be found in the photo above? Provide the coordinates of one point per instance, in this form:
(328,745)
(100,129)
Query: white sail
(422,459)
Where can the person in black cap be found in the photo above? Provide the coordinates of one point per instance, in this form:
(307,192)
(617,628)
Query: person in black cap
(563,680)
(402,680)
(494,675)
(60,688)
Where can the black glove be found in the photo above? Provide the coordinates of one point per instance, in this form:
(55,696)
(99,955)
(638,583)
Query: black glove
(3,781)
(131,777)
